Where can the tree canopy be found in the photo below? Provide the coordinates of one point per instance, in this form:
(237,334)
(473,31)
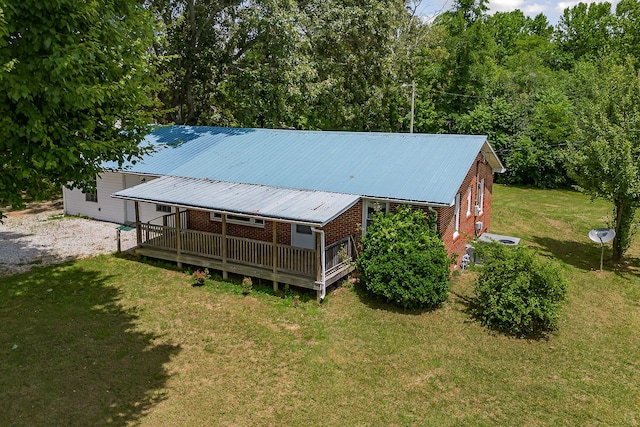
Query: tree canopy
(77,88)
(605,150)
(79,80)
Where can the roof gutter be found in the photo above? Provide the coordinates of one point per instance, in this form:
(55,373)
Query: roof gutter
(408,202)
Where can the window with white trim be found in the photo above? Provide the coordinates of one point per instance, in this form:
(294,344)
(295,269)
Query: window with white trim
(163,208)
(371,207)
(456,216)
(480,195)
(235,219)
(469,200)
(92,197)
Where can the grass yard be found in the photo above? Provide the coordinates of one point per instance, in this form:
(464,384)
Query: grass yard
(112,341)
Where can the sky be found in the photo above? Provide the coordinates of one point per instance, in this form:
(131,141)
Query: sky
(552,10)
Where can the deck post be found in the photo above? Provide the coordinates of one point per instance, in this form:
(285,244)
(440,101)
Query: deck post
(225,274)
(138,228)
(178,240)
(274,254)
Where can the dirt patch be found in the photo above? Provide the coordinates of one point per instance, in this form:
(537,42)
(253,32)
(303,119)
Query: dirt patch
(35,208)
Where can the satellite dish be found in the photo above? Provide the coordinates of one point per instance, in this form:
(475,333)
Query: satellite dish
(602,236)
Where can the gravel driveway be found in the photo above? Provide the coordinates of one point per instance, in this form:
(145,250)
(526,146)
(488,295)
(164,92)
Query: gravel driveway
(42,235)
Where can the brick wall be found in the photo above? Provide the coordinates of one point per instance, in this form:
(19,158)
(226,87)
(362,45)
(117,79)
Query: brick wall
(348,223)
(200,220)
(456,243)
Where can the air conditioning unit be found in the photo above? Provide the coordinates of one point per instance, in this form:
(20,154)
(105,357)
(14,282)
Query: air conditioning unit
(479,225)
(470,257)
(503,240)
(476,210)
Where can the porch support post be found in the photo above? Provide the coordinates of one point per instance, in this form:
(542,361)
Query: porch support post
(138,225)
(225,274)
(274,254)
(178,240)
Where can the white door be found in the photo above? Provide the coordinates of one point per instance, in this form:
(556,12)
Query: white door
(302,236)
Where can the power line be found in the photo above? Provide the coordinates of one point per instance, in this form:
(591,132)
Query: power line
(508,150)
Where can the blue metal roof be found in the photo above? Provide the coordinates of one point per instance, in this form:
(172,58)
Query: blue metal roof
(302,206)
(414,167)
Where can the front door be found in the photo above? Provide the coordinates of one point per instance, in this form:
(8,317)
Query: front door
(302,236)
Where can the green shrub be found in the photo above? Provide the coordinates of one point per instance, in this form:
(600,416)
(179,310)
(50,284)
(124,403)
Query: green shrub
(518,292)
(404,261)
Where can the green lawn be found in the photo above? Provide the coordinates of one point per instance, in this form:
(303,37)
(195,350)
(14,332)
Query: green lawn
(114,341)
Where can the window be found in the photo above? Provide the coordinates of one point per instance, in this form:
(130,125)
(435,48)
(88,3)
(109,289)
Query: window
(469,201)
(303,229)
(92,197)
(456,216)
(371,208)
(480,195)
(235,219)
(163,208)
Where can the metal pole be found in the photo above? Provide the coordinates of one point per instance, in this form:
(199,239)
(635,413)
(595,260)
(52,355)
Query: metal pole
(601,254)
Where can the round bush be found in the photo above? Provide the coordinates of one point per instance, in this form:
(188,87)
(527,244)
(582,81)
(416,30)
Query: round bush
(517,292)
(404,261)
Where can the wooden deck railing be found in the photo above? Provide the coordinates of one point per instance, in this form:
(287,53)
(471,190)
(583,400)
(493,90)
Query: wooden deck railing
(158,236)
(339,254)
(201,243)
(239,250)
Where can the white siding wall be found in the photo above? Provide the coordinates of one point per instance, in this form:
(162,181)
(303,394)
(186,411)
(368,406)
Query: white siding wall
(107,208)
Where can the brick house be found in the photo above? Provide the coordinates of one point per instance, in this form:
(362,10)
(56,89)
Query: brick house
(289,206)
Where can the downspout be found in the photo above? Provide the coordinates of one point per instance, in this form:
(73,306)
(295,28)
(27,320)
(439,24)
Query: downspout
(323,283)
(475,216)
(435,212)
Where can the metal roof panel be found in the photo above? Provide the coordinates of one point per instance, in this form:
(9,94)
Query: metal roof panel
(304,206)
(417,167)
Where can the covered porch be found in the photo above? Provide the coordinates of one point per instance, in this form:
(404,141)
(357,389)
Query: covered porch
(174,239)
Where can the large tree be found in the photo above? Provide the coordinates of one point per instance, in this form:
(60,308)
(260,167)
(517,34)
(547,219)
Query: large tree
(585,30)
(604,155)
(76,89)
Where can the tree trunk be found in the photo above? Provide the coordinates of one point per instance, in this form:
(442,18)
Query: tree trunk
(624,212)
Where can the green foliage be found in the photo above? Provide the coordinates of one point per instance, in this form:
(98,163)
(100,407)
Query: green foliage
(517,292)
(76,89)
(404,261)
(585,30)
(604,153)
(247,285)
(200,277)
(271,63)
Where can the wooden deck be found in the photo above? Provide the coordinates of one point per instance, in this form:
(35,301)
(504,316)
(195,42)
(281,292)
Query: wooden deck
(265,260)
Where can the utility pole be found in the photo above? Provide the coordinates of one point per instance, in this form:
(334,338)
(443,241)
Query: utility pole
(413,102)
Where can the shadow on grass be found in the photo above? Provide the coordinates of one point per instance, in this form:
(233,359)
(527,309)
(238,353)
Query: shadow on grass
(468,305)
(583,256)
(586,256)
(25,254)
(72,355)
(377,303)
